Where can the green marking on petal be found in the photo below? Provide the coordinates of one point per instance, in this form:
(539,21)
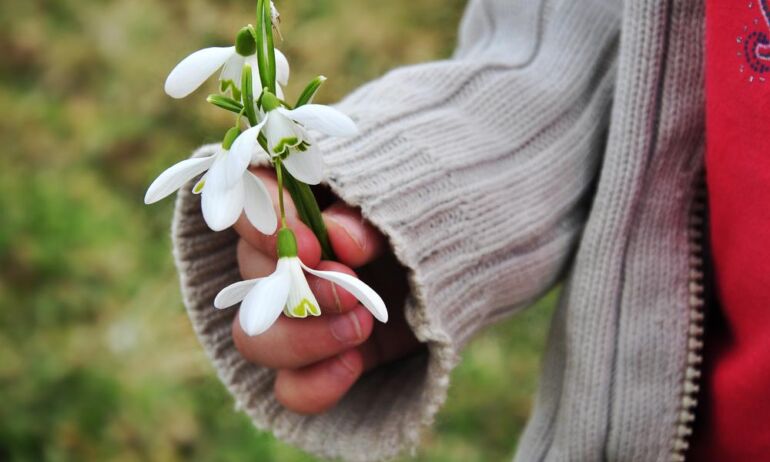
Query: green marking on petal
(303,308)
(285,144)
(199,187)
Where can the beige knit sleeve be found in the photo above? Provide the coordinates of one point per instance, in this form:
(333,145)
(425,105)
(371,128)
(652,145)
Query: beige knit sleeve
(479,170)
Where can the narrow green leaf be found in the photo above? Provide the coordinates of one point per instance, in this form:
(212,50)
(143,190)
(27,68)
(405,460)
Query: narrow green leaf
(265,47)
(310,90)
(225,103)
(247,95)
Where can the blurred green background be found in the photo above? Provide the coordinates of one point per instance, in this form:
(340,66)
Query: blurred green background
(97,358)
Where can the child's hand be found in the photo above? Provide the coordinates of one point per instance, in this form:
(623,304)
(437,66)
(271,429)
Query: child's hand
(319,359)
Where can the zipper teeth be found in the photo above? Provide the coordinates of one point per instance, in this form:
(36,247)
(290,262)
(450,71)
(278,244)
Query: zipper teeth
(695,325)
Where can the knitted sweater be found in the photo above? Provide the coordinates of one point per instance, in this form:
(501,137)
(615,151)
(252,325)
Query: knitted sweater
(562,141)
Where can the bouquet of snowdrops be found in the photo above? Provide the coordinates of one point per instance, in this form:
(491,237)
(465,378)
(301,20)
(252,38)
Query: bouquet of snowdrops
(267,129)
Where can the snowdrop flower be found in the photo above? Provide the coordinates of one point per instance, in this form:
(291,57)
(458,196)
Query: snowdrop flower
(227,189)
(287,291)
(195,69)
(287,137)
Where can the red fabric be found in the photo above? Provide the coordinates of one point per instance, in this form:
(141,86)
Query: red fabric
(734,419)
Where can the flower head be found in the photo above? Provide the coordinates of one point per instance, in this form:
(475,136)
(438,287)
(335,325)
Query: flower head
(286,132)
(287,291)
(196,68)
(227,188)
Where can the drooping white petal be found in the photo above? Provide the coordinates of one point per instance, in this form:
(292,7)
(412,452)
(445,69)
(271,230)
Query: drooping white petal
(306,166)
(175,177)
(239,156)
(281,69)
(234,293)
(365,294)
(281,132)
(221,205)
(301,301)
(232,70)
(258,205)
(279,92)
(325,119)
(192,71)
(265,302)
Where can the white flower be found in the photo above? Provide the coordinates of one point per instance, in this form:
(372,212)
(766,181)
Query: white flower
(288,138)
(227,189)
(195,69)
(287,291)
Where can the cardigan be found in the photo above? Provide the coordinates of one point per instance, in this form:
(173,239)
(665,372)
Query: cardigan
(562,141)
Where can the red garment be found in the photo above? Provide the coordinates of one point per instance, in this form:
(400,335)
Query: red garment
(734,419)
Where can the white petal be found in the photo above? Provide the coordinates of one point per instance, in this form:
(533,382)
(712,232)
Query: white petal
(365,294)
(175,177)
(265,302)
(190,74)
(307,166)
(279,92)
(239,156)
(232,70)
(325,119)
(301,301)
(234,293)
(281,68)
(258,205)
(221,205)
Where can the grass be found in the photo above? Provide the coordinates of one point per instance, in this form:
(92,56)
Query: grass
(97,358)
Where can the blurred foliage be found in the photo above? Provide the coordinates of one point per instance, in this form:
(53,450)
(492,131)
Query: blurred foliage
(97,358)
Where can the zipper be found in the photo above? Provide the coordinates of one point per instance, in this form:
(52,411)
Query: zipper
(695,328)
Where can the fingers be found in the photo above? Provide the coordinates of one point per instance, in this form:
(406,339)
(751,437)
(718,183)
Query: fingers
(292,343)
(316,388)
(354,240)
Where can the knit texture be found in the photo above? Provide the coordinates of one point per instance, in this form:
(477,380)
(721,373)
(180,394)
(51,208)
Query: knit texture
(481,170)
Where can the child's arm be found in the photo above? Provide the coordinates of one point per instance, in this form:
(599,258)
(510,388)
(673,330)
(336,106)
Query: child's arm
(478,170)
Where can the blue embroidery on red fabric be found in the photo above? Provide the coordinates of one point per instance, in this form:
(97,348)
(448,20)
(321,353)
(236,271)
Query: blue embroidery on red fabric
(756,44)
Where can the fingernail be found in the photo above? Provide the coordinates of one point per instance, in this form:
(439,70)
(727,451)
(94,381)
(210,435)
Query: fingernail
(352,227)
(345,365)
(346,328)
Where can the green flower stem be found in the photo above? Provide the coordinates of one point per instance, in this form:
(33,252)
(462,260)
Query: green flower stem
(304,201)
(279,176)
(309,212)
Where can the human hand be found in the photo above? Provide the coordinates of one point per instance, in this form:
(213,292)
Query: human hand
(319,359)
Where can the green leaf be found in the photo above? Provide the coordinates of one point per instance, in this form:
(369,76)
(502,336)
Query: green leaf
(225,103)
(310,90)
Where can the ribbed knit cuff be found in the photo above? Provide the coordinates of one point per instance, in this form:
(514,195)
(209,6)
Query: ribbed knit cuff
(477,171)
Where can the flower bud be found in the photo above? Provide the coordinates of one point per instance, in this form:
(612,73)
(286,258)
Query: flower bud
(269,101)
(245,44)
